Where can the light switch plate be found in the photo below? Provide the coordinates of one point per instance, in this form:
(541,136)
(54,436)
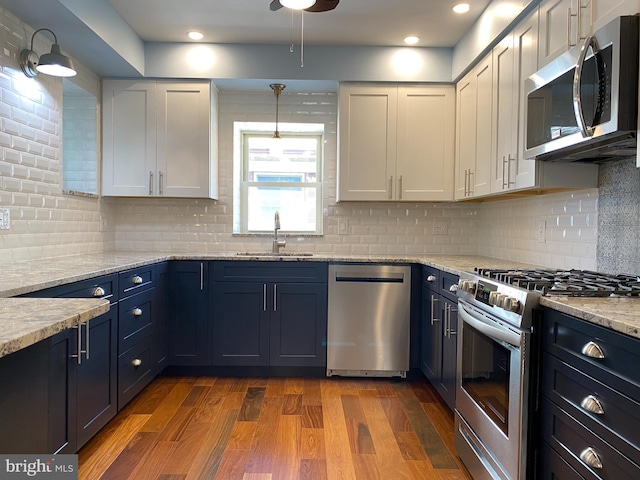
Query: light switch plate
(542,231)
(5,221)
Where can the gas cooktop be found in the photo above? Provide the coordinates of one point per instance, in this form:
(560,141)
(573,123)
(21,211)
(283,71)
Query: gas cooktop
(575,283)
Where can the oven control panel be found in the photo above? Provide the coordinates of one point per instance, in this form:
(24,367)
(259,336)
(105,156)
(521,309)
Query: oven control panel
(493,294)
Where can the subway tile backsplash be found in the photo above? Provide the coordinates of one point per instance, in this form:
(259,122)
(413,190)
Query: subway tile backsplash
(583,229)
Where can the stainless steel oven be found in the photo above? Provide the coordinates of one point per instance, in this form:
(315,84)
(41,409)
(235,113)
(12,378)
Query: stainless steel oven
(494,333)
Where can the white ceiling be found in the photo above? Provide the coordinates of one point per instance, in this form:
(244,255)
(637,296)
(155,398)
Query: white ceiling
(353,22)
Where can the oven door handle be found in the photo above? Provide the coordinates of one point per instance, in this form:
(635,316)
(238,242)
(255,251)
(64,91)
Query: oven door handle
(511,338)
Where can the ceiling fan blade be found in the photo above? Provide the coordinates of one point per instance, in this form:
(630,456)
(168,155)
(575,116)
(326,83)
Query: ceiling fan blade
(275,5)
(321,5)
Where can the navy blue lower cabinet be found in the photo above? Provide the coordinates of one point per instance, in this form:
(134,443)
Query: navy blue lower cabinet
(159,346)
(269,314)
(188,313)
(298,324)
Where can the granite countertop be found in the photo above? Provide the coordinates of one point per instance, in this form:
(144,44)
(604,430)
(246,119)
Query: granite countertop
(26,321)
(619,314)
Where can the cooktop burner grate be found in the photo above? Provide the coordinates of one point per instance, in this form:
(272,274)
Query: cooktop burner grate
(575,283)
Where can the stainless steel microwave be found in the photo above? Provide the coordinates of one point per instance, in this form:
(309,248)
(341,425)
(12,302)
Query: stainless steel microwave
(583,106)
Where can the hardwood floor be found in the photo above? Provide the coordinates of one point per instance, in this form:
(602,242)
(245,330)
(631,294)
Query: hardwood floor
(277,428)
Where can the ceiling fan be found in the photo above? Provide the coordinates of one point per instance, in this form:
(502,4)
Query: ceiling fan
(319,6)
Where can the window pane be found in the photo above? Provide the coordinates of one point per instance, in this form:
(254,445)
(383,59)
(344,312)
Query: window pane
(297,207)
(289,159)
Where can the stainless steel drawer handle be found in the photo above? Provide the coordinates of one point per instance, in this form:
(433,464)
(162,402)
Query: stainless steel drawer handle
(592,404)
(591,458)
(98,292)
(136,362)
(137,280)
(137,312)
(593,350)
(431,278)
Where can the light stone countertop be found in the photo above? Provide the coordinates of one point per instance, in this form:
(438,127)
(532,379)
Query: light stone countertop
(26,321)
(619,314)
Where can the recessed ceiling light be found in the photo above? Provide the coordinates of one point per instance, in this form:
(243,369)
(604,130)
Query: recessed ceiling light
(411,40)
(193,35)
(461,8)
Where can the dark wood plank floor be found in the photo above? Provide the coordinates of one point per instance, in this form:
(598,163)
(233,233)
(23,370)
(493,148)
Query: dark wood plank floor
(270,429)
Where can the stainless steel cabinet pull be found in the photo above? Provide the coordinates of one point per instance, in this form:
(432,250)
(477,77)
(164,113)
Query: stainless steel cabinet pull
(447,321)
(137,280)
(431,278)
(593,350)
(137,312)
(201,276)
(470,189)
(592,404)
(569,17)
(275,297)
(505,181)
(434,300)
(264,297)
(160,181)
(98,292)
(591,458)
(79,340)
(391,187)
(86,352)
(451,331)
(400,188)
(136,362)
(150,183)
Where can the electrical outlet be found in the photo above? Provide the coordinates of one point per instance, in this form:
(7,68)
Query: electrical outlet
(5,221)
(542,231)
(343,226)
(440,227)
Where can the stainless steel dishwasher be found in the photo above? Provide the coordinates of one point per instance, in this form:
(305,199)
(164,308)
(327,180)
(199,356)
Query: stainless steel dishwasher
(368,329)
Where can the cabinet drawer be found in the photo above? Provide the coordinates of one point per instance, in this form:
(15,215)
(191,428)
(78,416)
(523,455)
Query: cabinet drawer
(553,467)
(619,420)
(431,278)
(565,337)
(99,287)
(447,288)
(270,272)
(136,280)
(135,316)
(570,438)
(134,371)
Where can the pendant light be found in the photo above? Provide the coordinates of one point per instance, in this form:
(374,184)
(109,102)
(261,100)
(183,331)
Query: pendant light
(277,90)
(297,4)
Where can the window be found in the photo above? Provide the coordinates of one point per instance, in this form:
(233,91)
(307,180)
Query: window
(281,174)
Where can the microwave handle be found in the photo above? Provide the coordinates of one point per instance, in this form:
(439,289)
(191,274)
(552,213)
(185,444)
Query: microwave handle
(590,41)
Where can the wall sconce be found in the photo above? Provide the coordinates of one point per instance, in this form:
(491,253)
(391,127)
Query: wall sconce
(54,63)
(277,90)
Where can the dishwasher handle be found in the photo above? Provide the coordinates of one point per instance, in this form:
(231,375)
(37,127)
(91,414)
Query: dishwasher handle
(399,278)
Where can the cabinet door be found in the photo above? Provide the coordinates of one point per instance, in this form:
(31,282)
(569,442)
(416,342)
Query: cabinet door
(62,392)
(96,382)
(465,134)
(481,175)
(159,346)
(128,138)
(431,345)
(183,165)
(425,143)
(604,11)
(367,138)
(188,322)
(240,324)
(505,113)
(298,325)
(557,29)
(526,47)
(449,313)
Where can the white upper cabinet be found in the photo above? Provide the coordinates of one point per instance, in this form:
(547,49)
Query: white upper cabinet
(396,143)
(474,137)
(157,139)
(563,24)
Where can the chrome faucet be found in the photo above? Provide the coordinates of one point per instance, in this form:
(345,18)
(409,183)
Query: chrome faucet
(277,244)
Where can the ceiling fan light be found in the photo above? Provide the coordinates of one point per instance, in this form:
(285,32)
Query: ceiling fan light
(297,4)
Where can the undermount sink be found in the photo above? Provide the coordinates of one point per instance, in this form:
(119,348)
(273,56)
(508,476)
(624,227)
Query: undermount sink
(273,254)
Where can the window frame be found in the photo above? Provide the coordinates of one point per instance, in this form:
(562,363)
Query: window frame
(245,184)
